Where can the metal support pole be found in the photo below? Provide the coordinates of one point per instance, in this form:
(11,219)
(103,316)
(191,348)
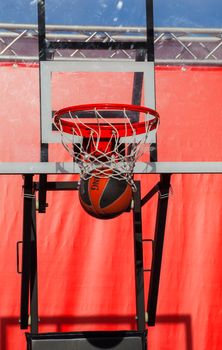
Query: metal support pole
(42,193)
(29,259)
(33,273)
(150,30)
(164,186)
(26,250)
(138,81)
(42,30)
(43,54)
(138,252)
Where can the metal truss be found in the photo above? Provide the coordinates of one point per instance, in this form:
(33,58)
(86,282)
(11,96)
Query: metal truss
(200,46)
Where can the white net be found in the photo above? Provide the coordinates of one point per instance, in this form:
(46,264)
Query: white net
(107,147)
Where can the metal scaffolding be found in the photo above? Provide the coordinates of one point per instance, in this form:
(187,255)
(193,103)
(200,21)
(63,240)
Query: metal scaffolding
(173,46)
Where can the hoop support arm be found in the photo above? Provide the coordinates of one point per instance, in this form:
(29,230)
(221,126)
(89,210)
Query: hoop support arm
(138,258)
(164,187)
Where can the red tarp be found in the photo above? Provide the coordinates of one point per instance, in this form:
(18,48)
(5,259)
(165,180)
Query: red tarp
(86,275)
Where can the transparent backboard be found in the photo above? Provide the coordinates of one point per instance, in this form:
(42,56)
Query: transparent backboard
(183,84)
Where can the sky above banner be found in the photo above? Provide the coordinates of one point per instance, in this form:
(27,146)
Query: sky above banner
(172,13)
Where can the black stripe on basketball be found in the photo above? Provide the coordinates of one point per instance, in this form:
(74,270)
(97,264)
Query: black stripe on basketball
(113,190)
(105,198)
(84,190)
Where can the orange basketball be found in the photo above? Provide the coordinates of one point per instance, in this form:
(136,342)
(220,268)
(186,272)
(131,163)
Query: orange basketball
(105,198)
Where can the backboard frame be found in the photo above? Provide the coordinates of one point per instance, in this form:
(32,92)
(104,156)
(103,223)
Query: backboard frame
(115,66)
(140,168)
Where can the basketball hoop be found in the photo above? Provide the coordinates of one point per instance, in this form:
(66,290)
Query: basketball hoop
(106,139)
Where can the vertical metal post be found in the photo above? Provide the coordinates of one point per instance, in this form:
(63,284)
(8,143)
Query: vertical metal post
(138,252)
(33,273)
(150,30)
(26,252)
(29,292)
(138,80)
(43,53)
(42,189)
(41,30)
(143,54)
(164,186)
(150,58)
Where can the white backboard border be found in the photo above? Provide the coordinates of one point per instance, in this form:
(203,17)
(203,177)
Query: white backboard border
(48,67)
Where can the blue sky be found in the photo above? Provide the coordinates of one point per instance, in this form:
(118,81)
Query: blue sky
(181,13)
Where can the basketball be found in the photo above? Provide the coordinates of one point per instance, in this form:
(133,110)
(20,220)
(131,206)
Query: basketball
(105,198)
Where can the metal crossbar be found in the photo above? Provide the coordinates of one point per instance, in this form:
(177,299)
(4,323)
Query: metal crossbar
(172,45)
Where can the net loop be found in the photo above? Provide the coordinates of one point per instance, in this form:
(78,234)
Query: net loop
(107,145)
